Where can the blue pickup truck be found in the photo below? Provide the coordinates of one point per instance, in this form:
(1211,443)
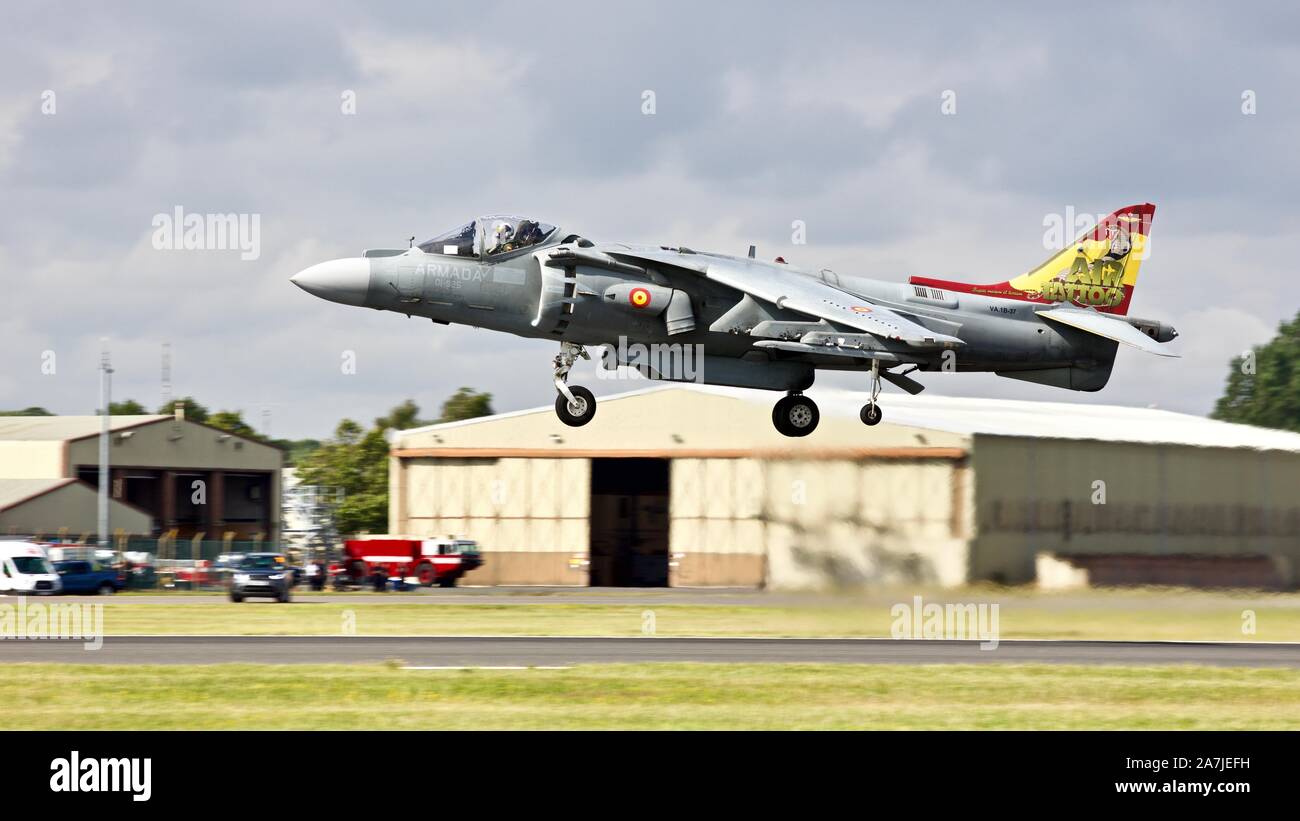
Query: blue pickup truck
(89,577)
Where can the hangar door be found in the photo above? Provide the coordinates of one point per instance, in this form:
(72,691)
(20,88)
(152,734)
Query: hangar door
(629,523)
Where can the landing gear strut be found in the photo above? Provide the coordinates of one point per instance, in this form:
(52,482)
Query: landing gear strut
(575,405)
(795,415)
(870,413)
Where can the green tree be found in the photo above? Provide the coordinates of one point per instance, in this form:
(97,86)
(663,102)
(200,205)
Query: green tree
(127,407)
(232,422)
(32,411)
(1264,384)
(356,461)
(296,450)
(466,403)
(402,417)
(194,412)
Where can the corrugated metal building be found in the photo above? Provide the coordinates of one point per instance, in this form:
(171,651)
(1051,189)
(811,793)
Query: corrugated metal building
(688,485)
(155,462)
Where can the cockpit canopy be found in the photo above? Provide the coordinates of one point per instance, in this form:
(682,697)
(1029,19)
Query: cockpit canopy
(462,242)
(490,237)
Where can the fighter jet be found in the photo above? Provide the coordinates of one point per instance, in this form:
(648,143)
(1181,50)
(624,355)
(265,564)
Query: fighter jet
(679,314)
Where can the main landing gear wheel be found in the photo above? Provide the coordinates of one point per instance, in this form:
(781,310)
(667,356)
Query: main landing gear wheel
(795,415)
(579,412)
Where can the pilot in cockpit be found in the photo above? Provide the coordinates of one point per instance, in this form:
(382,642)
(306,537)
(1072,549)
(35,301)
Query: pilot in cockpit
(528,233)
(512,235)
(502,236)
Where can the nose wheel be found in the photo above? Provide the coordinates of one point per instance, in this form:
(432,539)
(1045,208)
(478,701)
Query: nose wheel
(577,411)
(575,405)
(795,415)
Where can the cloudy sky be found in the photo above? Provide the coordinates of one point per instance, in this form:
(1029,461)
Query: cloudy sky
(764,114)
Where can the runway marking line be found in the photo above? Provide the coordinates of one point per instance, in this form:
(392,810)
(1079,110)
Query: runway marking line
(682,638)
(500,667)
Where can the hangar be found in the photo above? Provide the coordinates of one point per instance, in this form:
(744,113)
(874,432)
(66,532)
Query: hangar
(690,486)
(49,473)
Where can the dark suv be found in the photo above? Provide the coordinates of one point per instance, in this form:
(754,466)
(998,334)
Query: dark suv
(261,574)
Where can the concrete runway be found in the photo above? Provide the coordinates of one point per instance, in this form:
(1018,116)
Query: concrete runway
(469,651)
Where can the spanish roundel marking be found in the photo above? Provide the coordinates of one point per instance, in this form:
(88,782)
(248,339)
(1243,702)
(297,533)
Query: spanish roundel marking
(639,297)
(860,309)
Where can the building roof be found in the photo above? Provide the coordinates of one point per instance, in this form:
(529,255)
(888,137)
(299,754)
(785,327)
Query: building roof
(1061,420)
(959,416)
(17,491)
(64,428)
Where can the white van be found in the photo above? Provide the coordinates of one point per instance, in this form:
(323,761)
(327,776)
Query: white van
(25,569)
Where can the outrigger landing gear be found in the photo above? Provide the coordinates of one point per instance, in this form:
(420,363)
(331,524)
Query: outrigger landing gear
(795,415)
(870,413)
(575,405)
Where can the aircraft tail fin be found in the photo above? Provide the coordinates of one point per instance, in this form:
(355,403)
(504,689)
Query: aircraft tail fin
(1098,270)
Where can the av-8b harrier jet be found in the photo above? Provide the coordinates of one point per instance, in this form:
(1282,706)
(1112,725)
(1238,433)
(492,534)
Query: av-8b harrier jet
(679,314)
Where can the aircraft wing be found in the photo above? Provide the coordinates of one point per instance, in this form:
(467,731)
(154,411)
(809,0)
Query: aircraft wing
(797,292)
(1105,326)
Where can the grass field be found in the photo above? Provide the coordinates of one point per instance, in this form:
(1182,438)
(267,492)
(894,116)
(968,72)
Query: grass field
(677,696)
(1141,616)
(650,696)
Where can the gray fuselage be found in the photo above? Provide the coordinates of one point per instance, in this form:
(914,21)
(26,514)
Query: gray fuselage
(1000,335)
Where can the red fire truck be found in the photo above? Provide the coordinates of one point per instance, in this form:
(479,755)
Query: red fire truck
(429,561)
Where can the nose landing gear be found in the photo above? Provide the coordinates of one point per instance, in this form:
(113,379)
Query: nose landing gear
(576,406)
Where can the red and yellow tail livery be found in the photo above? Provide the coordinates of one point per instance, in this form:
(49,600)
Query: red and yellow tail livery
(1098,270)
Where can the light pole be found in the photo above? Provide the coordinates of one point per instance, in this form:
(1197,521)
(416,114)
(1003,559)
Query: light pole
(105,399)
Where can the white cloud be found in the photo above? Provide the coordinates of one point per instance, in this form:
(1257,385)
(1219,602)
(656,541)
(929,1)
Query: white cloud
(763,117)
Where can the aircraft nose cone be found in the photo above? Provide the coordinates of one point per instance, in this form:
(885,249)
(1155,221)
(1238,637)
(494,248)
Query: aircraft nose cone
(339,280)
